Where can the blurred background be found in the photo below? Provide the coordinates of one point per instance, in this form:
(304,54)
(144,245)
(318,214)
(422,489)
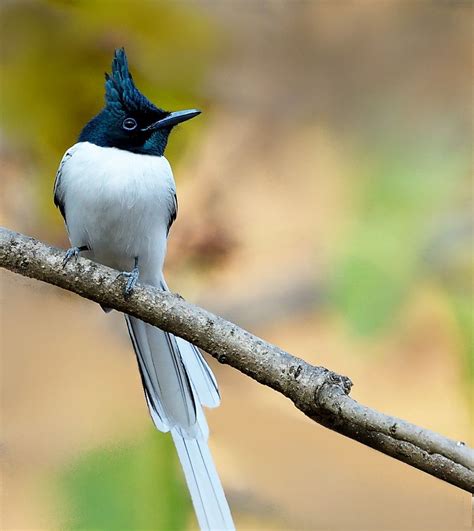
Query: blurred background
(325,205)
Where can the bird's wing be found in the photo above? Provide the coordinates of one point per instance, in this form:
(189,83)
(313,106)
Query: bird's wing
(173,212)
(58,191)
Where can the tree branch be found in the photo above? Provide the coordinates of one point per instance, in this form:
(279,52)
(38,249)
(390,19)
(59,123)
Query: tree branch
(319,393)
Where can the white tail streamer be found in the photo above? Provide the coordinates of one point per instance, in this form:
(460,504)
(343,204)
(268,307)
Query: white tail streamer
(177,380)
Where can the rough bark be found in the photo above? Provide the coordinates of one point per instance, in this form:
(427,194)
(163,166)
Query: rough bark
(319,393)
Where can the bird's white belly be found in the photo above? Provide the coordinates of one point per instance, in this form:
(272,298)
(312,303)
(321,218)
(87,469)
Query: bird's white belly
(118,204)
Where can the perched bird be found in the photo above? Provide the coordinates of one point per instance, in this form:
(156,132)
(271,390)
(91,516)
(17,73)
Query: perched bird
(116,192)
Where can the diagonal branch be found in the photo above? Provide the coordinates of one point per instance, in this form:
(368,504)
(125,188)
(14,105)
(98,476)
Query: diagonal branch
(319,393)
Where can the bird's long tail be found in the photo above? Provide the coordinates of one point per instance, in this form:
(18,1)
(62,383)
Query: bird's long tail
(177,382)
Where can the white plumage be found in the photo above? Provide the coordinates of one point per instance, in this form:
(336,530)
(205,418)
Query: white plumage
(119,204)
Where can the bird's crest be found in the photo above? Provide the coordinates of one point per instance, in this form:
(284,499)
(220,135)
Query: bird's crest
(120,91)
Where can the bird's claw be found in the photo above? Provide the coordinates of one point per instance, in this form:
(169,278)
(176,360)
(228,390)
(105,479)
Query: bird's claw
(73,252)
(132,279)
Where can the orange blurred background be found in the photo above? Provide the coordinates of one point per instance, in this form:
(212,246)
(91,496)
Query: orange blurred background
(325,204)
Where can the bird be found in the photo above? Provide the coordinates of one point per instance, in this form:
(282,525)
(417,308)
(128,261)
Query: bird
(116,192)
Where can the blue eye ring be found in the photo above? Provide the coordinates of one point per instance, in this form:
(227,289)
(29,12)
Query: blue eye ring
(129,124)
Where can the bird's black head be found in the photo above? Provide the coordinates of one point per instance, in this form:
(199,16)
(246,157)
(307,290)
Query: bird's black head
(130,121)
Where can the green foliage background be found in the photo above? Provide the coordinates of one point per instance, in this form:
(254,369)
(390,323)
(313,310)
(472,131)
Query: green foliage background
(395,244)
(47,97)
(382,257)
(133,487)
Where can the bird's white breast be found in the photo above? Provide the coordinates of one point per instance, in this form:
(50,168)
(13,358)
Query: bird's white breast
(118,203)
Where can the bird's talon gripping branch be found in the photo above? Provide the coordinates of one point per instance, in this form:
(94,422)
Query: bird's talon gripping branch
(73,252)
(132,277)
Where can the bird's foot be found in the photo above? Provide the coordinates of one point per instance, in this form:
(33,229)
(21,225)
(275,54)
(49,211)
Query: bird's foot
(132,279)
(73,252)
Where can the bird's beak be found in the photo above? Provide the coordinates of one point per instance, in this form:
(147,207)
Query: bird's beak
(173,119)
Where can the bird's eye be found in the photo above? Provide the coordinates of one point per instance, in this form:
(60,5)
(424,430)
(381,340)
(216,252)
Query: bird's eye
(129,124)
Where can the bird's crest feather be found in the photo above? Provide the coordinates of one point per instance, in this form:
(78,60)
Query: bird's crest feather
(120,91)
